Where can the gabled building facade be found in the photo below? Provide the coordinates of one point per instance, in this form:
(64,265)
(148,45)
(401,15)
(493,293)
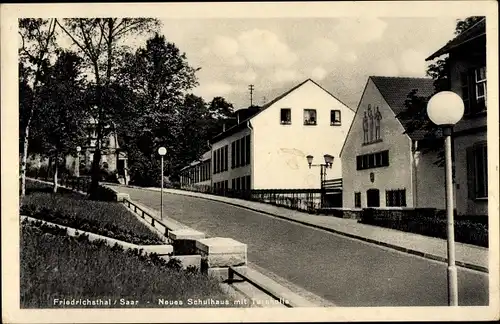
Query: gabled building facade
(382,166)
(467,75)
(268,149)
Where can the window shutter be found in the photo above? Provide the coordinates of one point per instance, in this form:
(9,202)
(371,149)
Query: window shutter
(472,90)
(471,190)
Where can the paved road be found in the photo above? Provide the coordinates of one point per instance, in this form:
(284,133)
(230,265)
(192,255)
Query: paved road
(345,271)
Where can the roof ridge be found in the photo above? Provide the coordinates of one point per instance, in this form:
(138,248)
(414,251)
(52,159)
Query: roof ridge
(400,77)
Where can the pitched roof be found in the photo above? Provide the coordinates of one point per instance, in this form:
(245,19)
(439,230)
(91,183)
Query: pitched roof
(205,157)
(243,123)
(395,91)
(475,31)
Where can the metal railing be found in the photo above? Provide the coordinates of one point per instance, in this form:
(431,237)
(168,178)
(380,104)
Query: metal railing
(144,214)
(72,183)
(332,184)
(280,293)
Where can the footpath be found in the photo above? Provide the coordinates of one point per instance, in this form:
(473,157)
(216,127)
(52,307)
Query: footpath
(467,256)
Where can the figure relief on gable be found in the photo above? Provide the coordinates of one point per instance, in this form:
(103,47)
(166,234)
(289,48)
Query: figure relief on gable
(378,118)
(371,125)
(365,128)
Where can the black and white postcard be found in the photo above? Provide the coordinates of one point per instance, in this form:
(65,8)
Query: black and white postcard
(243,162)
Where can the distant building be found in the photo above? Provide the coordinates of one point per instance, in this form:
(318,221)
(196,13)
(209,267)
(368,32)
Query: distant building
(197,175)
(113,158)
(467,73)
(267,149)
(381,165)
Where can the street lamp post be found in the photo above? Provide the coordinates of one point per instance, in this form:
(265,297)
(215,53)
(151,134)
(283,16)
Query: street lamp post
(77,162)
(162,151)
(328,164)
(445,109)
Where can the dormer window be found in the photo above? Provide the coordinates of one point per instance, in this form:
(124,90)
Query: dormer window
(286,116)
(310,117)
(335,118)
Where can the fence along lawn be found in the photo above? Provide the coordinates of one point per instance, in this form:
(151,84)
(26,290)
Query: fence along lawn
(74,210)
(57,269)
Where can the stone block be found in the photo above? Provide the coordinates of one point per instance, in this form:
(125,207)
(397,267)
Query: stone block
(158,249)
(221,273)
(122,196)
(225,259)
(185,234)
(218,245)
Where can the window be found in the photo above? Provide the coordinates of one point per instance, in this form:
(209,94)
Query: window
(373,160)
(238,161)
(233,151)
(473,88)
(309,116)
(357,199)
(233,184)
(214,161)
(335,117)
(395,198)
(286,116)
(464,85)
(477,171)
(242,152)
(481,84)
(225,158)
(247,147)
(238,183)
(248,182)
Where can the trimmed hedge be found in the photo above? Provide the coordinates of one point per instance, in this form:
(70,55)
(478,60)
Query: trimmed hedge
(341,213)
(429,222)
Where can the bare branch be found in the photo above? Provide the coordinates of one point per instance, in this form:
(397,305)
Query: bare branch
(126,29)
(73,39)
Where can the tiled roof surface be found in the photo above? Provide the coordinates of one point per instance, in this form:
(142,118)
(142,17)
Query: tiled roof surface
(395,91)
(476,30)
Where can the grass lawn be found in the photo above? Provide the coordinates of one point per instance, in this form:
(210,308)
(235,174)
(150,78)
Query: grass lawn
(110,219)
(58,269)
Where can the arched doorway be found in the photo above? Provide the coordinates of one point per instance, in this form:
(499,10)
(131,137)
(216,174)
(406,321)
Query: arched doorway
(373,198)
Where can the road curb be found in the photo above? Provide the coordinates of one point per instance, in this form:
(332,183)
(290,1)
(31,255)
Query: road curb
(354,236)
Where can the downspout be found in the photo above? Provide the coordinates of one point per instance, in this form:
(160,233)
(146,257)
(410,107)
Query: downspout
(252,154)
(414,169)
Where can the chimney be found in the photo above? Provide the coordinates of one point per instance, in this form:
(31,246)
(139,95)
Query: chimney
(224,127)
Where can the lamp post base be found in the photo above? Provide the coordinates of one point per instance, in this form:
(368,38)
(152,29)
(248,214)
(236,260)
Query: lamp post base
(452,286)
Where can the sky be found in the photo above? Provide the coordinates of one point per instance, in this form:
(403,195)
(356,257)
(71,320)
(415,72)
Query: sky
(276,54)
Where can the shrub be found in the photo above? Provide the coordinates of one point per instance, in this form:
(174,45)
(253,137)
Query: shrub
(429,222)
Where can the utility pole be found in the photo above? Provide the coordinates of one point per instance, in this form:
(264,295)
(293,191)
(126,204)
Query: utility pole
(250,87)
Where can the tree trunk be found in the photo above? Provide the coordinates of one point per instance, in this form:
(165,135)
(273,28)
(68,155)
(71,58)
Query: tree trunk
(24,162)
(56,167)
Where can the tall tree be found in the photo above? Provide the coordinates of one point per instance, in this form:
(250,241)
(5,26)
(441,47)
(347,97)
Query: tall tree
(101,42)
(415,114)
(37,44)
(221,116)
(159,77)
(63,106)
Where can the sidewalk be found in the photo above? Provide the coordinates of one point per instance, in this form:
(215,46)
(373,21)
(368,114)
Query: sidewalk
(468,256)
